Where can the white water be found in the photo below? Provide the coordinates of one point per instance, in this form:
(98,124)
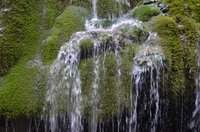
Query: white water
(149,59)
(95,94)
(195,115)
(111,16)
(65,85)
(64,96)
(94,6)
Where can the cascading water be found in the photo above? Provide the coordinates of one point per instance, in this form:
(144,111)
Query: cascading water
(65,85)
(64,96)
(94,5)
(147,62)
(95,95)
(194,125)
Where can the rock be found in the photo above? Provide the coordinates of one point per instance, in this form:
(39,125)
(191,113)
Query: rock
(163,7)
(149,1)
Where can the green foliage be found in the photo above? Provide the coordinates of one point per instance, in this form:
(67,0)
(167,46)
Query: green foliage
(70,21)
(145,12)
(168,31)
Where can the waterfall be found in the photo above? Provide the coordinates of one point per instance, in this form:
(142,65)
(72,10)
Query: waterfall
(94,6)
(64,94)
(195,115)
(147,62)
(95,94)
(65,100)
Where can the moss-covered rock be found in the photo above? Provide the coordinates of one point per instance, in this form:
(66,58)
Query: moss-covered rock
(22,91)
(137,34)
(108,83)
(189,8)
(189,35)
(145,12)
(21,32)
(70,21)
(168,31)
(83,3)
(87,76)
(107,8)
(86,44)
(108,87)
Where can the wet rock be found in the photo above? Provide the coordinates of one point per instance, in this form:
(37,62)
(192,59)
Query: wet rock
(163,7)
(149,1)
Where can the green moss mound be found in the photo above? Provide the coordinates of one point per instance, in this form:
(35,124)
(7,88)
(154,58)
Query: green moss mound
(189,8)
(189,31)
(145,12)
(168,31)
(70,21)
(108,85)
(22,91)
(21,32)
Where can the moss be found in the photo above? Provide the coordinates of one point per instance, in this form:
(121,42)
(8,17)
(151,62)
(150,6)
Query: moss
(189,8)
(107,8)
(138,34)
(175,7)
(145,12)
(190,32)
(20,92)
(85,4)
(127,56)
(86,44)
(87,76)
(53,9)
(107,88)
(69,22)
(21,32)
(168,31)
(134,3)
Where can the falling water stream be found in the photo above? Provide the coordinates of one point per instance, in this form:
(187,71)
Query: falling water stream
(149,59)
(147,107)
(64,96)
(195,115)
